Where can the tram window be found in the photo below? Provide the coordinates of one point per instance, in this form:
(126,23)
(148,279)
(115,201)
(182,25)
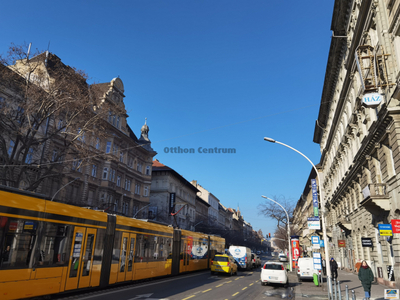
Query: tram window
(151,248)
(55,245)
(116,248)
(98,248)
(17,238)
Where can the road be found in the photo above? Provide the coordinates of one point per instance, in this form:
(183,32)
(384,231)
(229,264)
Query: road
(204,286)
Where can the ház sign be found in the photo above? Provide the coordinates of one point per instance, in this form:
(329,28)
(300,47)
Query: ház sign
(372,99)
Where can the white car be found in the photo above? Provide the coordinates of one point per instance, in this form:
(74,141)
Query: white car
(283,257)
(274,272)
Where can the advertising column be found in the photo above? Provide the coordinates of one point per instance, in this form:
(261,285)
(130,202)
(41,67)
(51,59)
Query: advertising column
(295,250)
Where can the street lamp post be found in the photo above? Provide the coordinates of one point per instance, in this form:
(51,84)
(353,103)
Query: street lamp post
(63,187)
(321,196)
(288,231)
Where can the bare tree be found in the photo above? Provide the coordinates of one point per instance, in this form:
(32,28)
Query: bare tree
(49,114)
(271,210)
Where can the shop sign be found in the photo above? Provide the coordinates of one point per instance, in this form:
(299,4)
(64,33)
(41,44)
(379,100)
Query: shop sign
(171,203)
(385,229)
(391,294)
(366,242)
(314,223)
(372,99)
(342,243)
(396,226)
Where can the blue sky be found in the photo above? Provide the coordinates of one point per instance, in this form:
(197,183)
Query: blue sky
(205,73)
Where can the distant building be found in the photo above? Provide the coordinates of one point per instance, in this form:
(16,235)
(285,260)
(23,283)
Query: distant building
(172,194)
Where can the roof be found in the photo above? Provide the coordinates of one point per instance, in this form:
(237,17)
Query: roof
(157,167)
(202,201)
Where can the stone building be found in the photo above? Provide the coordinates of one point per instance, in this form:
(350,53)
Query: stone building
(358,130)
(213,210)
(171,193)
(113,173)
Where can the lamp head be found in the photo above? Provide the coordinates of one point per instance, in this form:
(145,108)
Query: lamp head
(269,140)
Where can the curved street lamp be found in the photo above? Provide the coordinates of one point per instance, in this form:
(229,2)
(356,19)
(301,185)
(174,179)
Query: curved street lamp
(321,196)
(288,232)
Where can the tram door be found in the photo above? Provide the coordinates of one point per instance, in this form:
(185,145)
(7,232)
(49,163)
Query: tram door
(81,258)
(186,256)
(125,267)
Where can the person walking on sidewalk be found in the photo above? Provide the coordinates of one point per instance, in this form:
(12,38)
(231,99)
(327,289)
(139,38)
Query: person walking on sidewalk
(366,277)
(324,266)
(334,267)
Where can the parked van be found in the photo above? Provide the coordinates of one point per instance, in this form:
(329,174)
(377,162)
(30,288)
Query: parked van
(242,256)
(305,268)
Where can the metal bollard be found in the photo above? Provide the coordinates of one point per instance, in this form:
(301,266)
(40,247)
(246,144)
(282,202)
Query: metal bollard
(334,285)
(353,295)
(347,292)
(329,283)
(340,291)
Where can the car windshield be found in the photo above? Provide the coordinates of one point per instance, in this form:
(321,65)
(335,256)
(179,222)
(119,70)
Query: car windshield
(221,258)
(273,267)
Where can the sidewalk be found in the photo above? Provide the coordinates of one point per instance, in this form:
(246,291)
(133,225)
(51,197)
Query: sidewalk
(309,290)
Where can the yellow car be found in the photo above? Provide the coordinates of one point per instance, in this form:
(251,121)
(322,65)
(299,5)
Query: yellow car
(223,263)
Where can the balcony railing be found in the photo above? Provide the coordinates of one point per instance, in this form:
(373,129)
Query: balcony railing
(376,194)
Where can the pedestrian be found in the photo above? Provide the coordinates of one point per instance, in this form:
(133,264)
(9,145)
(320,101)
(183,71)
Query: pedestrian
(324,266)
(366,277)
(334,267)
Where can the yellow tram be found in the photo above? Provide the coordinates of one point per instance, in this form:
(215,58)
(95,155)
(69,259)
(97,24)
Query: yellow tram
(48,247)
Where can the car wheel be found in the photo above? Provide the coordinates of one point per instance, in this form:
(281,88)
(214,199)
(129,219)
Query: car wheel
(287,283)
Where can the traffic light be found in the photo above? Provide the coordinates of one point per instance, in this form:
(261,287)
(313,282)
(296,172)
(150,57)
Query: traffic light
(269,235)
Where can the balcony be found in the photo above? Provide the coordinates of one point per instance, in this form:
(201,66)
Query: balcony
(375,197)
(344,223)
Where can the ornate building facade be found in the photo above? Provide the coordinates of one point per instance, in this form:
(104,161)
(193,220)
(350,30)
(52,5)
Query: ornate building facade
(358,130)
(113,173)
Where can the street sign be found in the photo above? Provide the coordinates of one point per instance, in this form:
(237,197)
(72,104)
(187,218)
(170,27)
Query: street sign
(321,243)
(315,242)
(314,196)
(313,223)
(385,229)
(317,260)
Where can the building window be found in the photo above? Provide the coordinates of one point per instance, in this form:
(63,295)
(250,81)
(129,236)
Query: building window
(130,162)
(110,116)
(146,191)
(113,122)
(121,156)
(118,122)
(137,189)
(54,155)
(147,170)
(139,167)
(28,159)
(127,184)
(105,173)
(94,170)
(11,148)
(118,180)
(97,143)
(108,147)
